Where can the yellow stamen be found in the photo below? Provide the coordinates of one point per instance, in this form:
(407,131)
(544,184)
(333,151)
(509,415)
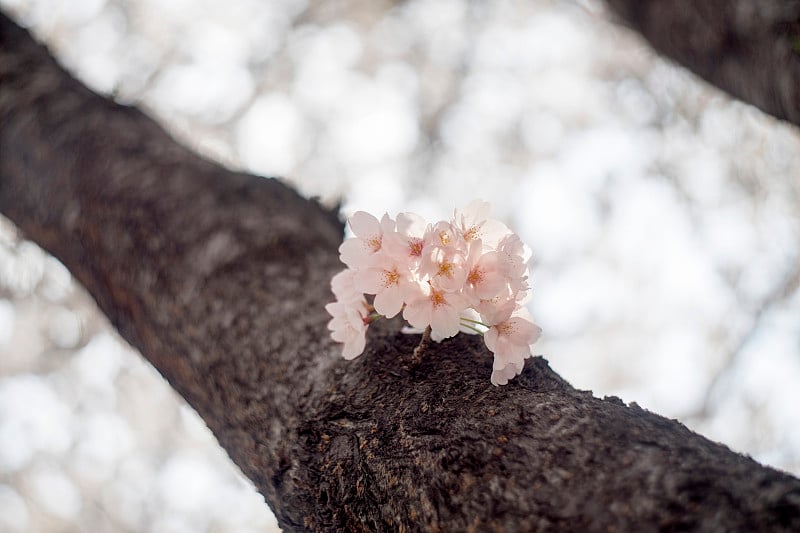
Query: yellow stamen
(472,234)
(475,276)
(390,278)
(375,243)
(505,328)
(446,269)
(437,298)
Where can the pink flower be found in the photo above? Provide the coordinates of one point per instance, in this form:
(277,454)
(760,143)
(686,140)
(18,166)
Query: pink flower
(445,268)
(485,274)
(514,258)
(407,242)
(474,224)
(444,235)
(343,287)
(512,338)
(501,376)
(435,308)
(498,309)
(444,257)
(469,274)
(510,342)
(368,238)
(390,281)
(348,326)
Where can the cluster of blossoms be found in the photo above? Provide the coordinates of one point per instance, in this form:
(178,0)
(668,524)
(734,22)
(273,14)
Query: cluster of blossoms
(468,274)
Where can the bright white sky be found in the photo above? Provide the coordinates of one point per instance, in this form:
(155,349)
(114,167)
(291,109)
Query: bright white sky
(664,220)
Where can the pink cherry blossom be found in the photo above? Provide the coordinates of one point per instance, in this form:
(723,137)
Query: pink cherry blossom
(501,376)
(390,281)
(467,274)
(498,309)
(407,242)
(512,337)
(486,275)
(444,235)
(368,238)
(348,326)
(510,342)
(474,224)
(435,308)
(445,268)
(343,287)
(514,258)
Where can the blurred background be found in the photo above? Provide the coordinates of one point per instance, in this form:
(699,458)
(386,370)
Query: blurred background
(664,219)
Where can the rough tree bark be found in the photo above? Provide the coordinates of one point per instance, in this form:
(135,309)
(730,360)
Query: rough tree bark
(749,48)
(219,279)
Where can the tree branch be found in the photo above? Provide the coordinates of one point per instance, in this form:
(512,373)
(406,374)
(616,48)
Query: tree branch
(219,279)
(749,48)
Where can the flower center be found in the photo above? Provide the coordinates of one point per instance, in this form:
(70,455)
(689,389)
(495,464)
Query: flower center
(391,277)
(446,269)
(375,242)
(472,234)
(505,328)
(437,298)
(415,247)
(475,276)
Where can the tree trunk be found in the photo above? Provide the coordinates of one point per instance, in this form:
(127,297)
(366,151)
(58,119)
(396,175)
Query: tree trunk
(749,48)
(219,279)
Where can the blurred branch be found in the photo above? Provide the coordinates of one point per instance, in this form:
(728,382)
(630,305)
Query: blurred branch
(745,47)
(219,279)
(783,290)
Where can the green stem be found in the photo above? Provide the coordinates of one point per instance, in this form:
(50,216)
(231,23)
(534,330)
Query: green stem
(473,328)
(475,322)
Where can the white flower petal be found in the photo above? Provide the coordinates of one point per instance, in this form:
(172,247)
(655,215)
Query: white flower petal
(490,339)
(418,313)
(364,225)
(501,376)
(389,302)
(445,321)
(354,253)
(411,225)
(342,285)
(370,280)
(355,346)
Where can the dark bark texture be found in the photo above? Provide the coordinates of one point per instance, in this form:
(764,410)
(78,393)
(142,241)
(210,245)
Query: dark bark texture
(219,279)
(749,48)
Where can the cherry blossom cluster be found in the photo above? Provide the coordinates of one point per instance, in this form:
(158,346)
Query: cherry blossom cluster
(468,274)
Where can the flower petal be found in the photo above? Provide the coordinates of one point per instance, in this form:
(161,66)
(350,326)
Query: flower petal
(418,313)
(445,321)
(364,225)
(525,331)
(355,346)
(389,302)
(490,339)
(369,280)
(354,253)
(501,376)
